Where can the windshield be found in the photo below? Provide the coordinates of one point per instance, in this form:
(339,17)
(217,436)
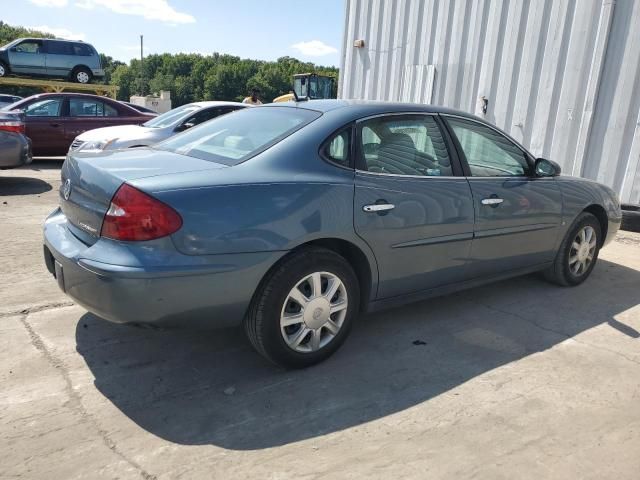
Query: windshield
(232,139)
(172,116)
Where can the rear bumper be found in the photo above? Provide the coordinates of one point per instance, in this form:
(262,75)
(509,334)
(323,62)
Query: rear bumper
(15,150)
(97,72)
(203,291)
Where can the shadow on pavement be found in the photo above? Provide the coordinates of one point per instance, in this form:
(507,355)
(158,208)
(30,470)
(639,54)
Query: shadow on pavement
(211,388)
(13,186)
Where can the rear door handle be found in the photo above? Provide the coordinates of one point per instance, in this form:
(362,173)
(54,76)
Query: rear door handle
(378,207)
(492,201)
(54,124)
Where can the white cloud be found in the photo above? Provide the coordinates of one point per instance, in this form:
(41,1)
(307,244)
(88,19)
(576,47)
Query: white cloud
(59,32)
(159,10)
(314,48)
(50,3)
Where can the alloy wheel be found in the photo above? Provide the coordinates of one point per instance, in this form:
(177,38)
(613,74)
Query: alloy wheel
(582,250)
(314,312)
(2,71)
(82,77)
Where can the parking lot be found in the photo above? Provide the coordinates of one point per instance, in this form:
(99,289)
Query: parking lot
(519,379)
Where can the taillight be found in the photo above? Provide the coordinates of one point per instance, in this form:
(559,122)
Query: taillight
(135,216)
(16,127)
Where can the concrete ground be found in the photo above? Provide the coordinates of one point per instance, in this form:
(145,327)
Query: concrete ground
(519,379)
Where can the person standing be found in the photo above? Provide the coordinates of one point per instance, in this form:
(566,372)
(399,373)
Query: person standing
(253,99)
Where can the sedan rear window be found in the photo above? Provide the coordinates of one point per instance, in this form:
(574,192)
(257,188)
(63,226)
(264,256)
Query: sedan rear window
(232,139)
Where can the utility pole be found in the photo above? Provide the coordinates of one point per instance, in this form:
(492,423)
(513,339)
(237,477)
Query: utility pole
(141,67)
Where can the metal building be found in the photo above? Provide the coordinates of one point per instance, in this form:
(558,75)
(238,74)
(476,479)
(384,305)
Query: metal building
(561,76)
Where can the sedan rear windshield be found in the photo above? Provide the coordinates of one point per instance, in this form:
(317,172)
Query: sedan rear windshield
(171,117)
(234,138)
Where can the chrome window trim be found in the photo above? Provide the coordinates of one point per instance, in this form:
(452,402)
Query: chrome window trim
(444,177)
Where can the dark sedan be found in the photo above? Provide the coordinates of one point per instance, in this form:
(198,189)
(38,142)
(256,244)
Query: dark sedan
(297,216)
(53,120)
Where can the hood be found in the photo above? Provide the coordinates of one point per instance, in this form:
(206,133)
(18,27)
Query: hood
(119,132)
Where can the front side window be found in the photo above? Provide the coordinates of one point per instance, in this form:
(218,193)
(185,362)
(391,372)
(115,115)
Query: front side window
(488,152)
(338,148)
(404,145)
(79,107)
(232,139)
(29,46)
(44,108)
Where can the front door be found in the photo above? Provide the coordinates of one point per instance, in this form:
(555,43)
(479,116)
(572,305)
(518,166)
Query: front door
(45,127)
(517,215)
(27,57)
(411,208)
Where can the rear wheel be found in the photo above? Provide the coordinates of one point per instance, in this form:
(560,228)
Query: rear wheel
(304,309)
(578,252)
(4,70)
(81,75)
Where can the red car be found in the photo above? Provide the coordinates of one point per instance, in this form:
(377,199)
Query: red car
(53,120)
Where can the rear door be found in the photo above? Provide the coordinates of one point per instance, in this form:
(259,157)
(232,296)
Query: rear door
(43,119)
(518,215)
(87,113)
(28,57)
(60,59)
(411,204)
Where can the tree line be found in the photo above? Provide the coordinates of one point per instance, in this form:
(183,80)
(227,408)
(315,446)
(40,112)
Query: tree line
(190,77)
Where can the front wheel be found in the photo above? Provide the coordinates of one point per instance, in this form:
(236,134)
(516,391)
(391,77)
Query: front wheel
(578,252)
(303,311)
(4,71)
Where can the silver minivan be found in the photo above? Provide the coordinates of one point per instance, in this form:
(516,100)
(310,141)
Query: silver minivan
(41,57)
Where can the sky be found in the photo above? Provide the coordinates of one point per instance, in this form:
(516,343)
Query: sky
(258,29)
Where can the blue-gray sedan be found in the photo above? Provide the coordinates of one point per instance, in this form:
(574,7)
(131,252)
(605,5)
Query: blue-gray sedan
(293,218)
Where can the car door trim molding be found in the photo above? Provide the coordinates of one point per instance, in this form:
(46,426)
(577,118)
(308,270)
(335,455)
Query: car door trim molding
(496,232)
(457,237)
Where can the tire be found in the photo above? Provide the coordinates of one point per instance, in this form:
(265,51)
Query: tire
(273,302)
(81,75)
(630,218)
(563,271)
(4,70)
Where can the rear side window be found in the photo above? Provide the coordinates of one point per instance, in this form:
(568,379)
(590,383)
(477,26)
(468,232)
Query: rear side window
(59,48)
(338,148)
(79,107)
(232,139)
(82,50)
(404,145)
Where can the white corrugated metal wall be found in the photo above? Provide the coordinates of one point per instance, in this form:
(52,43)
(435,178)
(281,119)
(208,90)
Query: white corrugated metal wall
(561,76)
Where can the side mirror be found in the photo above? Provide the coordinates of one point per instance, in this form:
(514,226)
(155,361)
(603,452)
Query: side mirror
(185,126)
(547,168)
(13,49)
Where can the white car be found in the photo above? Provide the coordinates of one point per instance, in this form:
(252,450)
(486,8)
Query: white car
(155,130)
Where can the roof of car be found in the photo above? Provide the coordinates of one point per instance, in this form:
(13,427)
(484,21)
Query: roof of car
(368,106)
(217,103)
(51,39)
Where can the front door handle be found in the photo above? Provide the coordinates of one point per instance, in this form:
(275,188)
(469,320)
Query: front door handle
(54,124)
(379,207)
(492,201)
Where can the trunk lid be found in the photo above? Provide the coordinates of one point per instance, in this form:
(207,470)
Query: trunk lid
(90,181)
